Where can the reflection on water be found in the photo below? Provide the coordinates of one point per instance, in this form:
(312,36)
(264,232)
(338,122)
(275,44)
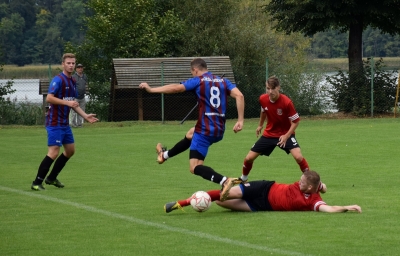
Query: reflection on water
(25,90)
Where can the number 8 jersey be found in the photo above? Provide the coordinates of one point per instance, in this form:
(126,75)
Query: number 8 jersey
(212,95)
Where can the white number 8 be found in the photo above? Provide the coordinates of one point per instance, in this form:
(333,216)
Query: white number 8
(215,101)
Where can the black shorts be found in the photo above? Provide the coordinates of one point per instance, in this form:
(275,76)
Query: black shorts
(265,146)
(255,193)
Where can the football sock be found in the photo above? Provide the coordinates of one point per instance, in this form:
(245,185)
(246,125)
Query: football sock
(44,168)
(208,173)
(58,166)
(304,165)
(185,202)
(179,147)
(222,181)
(247,166)
(214,194)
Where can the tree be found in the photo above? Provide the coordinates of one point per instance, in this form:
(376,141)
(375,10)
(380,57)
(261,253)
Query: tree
(126,29)
(11,37)
(354,16)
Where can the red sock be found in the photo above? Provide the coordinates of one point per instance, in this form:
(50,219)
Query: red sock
(214,194)
(304,165)
(185,202)
(246,167)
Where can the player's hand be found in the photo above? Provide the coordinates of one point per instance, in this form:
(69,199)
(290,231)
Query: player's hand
(258,131)
(354,208)
(91,118)
(282,141)
(145,86)
(238,126)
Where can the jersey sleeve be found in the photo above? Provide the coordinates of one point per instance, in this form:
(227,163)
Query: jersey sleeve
(317,202)
(293,115)
(261,100)
(55,85)
(229,84)
(191,83)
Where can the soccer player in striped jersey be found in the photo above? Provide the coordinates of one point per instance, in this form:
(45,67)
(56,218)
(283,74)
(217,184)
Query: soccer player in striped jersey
(263,195)
(61,97)
(212,95)
(282,121)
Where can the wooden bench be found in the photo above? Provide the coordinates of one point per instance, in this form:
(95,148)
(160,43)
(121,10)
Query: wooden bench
(130,72)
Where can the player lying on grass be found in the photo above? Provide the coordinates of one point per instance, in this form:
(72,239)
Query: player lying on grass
(265,195)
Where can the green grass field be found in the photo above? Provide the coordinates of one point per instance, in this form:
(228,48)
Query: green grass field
(115,191)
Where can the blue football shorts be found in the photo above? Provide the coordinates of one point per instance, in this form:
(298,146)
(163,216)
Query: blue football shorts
(201,143)
(58,136)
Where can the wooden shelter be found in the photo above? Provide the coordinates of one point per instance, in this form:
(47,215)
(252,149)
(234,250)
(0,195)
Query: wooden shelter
(128,102)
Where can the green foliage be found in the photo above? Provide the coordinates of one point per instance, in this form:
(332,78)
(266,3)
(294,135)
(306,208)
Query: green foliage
(20,112)
(359,102)
(310,17)
(5,89)
(99,100)
(334,44)
(126,29)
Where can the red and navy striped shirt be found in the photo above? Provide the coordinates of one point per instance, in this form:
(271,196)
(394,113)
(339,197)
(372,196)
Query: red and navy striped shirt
(64,88)
(212,95)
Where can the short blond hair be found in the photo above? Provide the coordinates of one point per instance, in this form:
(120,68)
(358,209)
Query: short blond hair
(68,55)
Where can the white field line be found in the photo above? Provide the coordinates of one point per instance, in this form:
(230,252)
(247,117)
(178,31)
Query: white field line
(153,224)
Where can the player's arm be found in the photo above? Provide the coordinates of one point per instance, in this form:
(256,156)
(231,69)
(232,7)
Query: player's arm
(50,98)
(238,96)
(333,209)
(167,89)
(263,117)
(91,118)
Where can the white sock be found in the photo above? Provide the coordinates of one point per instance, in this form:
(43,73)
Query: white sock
(165,155)
(222,181)
(244,177)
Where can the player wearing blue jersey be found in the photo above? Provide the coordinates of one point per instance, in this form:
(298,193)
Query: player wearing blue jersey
(61,97)
(212,95)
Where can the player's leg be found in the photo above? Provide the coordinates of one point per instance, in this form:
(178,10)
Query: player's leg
(263,146)
(169,207)
(44,168)
(181,146)
(300,160)
(54,144)
(293,147)
(198,152)
(69,150)
(233,200)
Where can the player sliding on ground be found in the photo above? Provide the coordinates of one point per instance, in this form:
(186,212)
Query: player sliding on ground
(262,195)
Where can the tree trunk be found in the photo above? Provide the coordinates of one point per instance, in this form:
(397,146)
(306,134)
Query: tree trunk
(356,71)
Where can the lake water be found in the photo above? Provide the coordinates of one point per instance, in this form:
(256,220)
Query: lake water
(26,90)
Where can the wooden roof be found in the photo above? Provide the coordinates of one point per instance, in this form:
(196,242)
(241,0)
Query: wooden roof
(130,72)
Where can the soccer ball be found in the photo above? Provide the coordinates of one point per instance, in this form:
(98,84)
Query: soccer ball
(200,201)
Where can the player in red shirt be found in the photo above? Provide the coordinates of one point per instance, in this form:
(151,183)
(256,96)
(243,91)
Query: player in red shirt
(265,195)
(282,121)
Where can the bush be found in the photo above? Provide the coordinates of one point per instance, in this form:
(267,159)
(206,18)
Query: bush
(359,103)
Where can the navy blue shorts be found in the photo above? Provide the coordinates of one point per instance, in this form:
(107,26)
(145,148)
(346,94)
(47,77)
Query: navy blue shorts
(265,146)
(255,193)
